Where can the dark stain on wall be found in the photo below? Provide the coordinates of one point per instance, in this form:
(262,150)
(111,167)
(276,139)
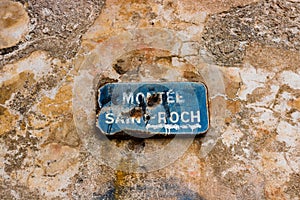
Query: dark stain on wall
(164,189)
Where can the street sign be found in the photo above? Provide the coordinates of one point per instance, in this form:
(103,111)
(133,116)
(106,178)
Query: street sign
(153,108)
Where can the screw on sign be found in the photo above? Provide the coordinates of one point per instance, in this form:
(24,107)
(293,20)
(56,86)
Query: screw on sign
(179,108)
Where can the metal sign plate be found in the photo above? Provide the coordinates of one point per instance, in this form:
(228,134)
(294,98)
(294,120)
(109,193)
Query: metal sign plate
(153,108)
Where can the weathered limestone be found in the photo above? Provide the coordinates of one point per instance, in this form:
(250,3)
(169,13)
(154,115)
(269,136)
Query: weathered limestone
(246,52)
(13,23)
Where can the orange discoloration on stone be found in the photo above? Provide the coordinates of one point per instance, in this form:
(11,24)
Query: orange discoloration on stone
(253,151)
(7,120)
(274,193)
(232,81)
(14,84)
(295,103)
(60,105)
(13,23)
(64,132)
(212,6)
(233,106)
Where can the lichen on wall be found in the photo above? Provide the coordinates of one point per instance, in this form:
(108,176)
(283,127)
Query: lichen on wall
(54,55)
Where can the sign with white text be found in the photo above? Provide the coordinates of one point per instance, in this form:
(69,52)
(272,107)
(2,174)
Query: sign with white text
(153,108)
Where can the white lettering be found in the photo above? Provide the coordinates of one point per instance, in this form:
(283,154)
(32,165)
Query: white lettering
(133,120)
(170,99)
(127,98)
(148,95)
(179,98)
(176,117)
(197,116)
(160,94)
(182,117)
(120,119)
(162,117)
(137,98)
(109,118)
(138,120)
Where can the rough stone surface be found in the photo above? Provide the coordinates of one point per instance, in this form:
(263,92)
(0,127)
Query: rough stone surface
(246,52)
(13,23)
(55,26)
(271,22)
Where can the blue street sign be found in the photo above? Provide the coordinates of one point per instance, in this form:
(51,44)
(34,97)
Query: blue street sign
(153,108)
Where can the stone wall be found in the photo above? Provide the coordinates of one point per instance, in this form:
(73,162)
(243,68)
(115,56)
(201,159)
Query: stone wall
(54,55)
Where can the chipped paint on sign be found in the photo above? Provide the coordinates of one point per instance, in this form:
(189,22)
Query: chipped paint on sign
(154,108)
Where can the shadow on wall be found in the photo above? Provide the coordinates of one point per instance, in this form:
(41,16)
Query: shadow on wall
(162,189)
